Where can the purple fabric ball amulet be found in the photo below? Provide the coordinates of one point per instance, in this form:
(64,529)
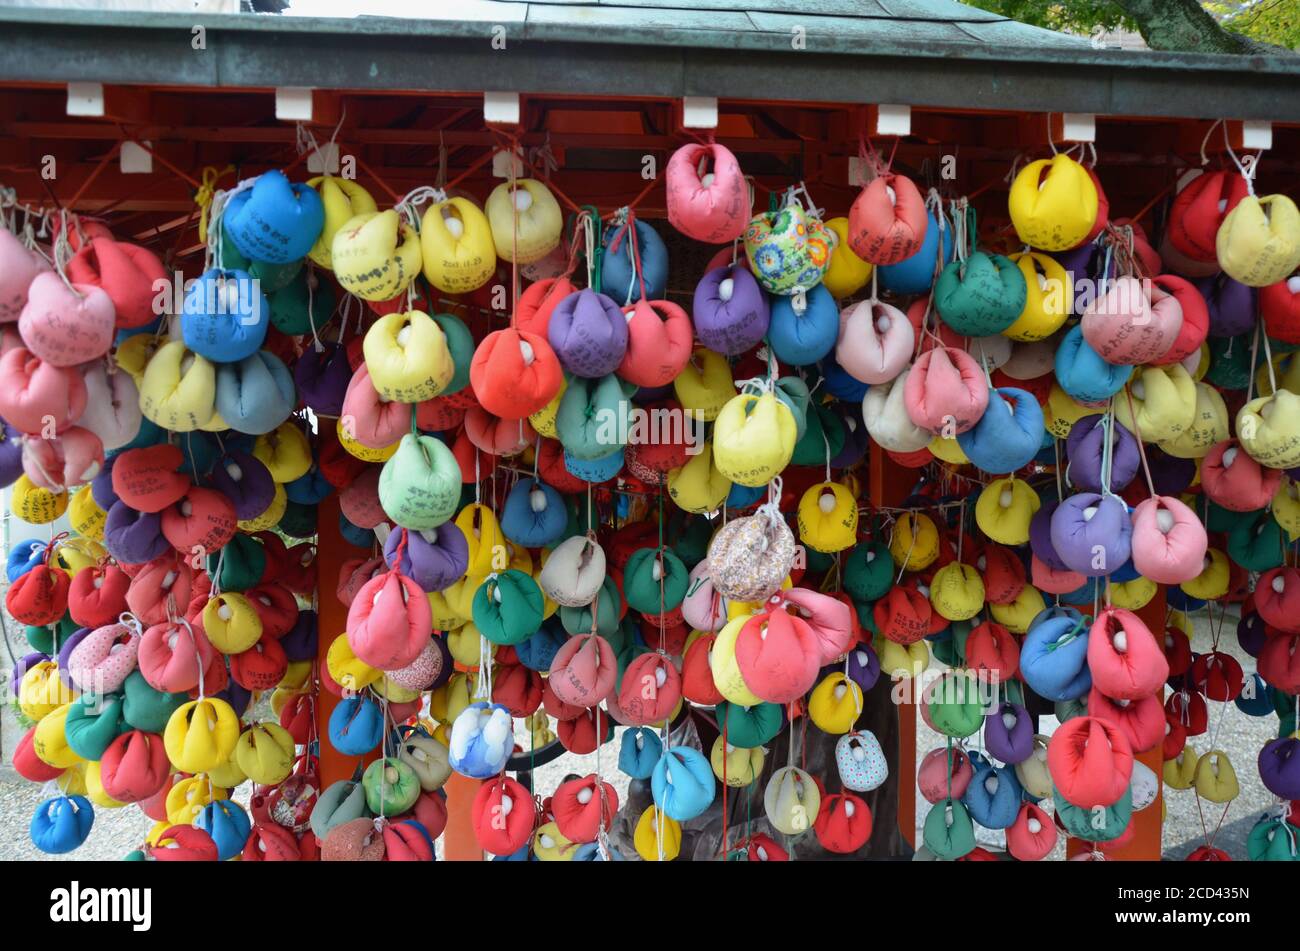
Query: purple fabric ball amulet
(134,537)
(322,378)
(101,487)
(1014,743)
(246,482)
(855,437)
(433,565)
(1252,632)
(65,652)
(447,667)
(1040,536)
(26,663)
(235,695)
(1080,263)
(1279,767)
(1092,533)
(1084,447)
(300,642)
(1170,474)
(864,666)
(730,311)
(11,454)
(1231,305)
(588,332)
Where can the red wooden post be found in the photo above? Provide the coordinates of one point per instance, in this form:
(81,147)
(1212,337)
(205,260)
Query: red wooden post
(1148,825)
(890,484)
(332,619)
(459,842)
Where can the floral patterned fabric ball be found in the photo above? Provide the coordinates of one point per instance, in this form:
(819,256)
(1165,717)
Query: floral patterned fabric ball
(788,250)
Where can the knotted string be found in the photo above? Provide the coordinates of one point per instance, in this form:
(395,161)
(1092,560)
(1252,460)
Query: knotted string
(214,252)
(62,249)
(207,191)
(771,509)
(1104,281)
(414,198)
(9,209)
(625,219)
(873,166)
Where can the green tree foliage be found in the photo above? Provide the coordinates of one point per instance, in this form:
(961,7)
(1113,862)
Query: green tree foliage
(1225,26)
(1269,21)
(1072,16)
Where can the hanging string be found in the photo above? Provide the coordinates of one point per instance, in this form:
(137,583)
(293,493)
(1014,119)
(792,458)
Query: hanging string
(1247,175)
(911,545)
(1137,434)
(317,346)
(483,688)
(1007,179)
(1107,446)
(194,643)
(305,141)
(588,222)
(963,230)
(1268,361)
(961,527)
(478,479)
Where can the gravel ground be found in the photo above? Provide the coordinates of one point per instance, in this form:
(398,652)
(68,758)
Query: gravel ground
(1240,736)
(118,831)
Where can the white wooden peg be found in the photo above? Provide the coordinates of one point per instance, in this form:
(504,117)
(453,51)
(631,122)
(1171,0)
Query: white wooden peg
(700,112)
(893,119)
(86,99)
(1078,127)
(501,108)
(1256,134)
(293,103)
